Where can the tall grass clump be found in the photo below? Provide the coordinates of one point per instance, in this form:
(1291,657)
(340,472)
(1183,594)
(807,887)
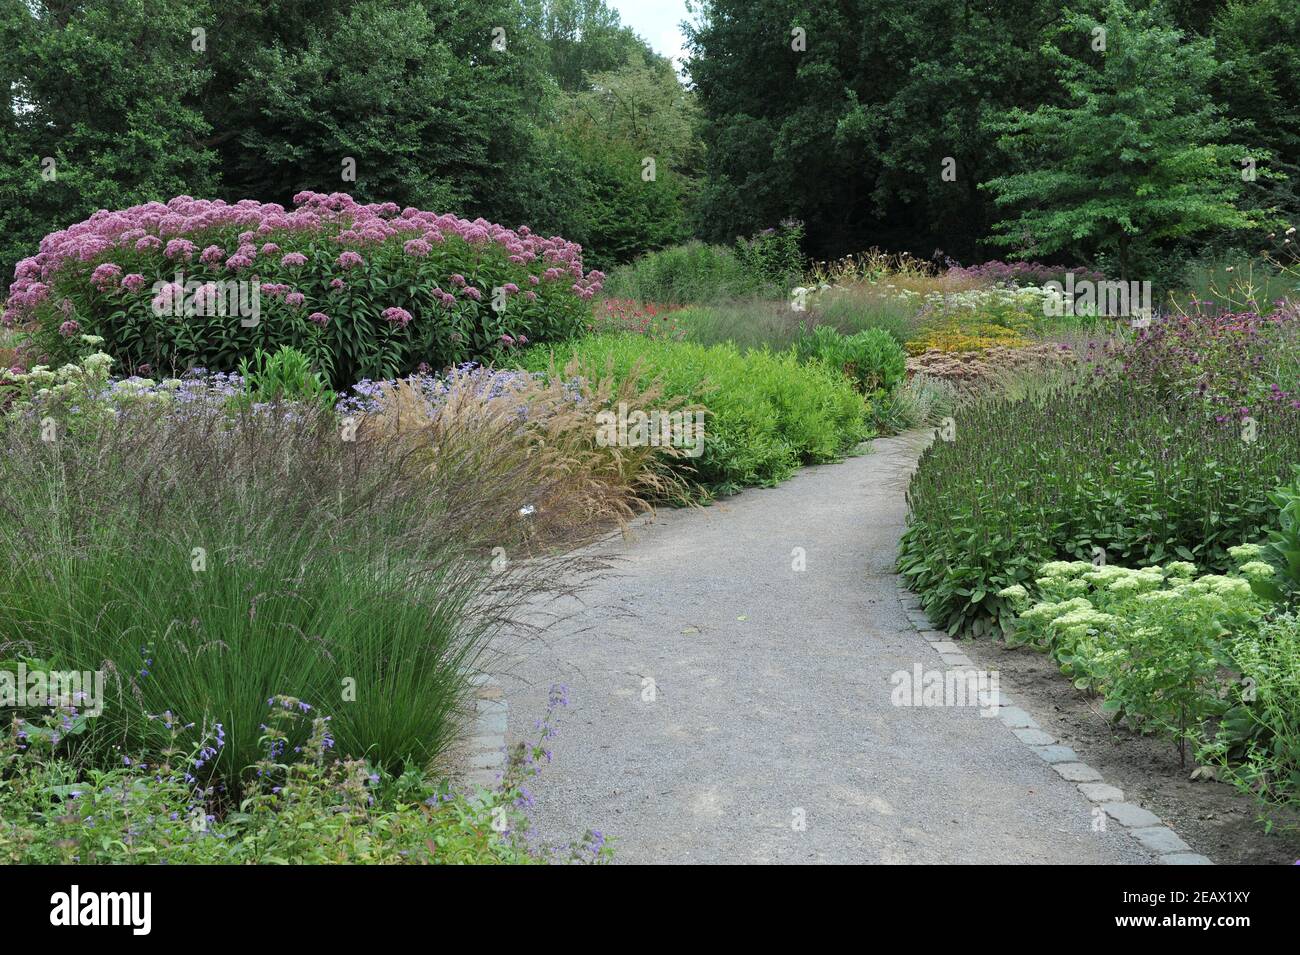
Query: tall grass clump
(494,420)
(207,561)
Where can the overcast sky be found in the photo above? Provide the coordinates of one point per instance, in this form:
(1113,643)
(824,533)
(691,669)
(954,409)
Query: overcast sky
(657,22)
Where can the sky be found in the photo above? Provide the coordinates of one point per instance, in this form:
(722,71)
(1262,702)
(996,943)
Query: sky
(657,23)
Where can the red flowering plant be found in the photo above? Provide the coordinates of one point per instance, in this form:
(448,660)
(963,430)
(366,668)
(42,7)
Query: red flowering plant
(366,291)
(617,315)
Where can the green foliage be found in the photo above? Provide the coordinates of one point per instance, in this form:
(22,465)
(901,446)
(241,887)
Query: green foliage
(1196,658)
(581,38)
(206,562)
(774,255)
(1258,743)
(618,214)
(854,309)
(1283,548)
(919,401)
(432,114)
(1061,474)
(766,265)
(400,100)
(1256,42)
(282,377)
(872,359)
(766,413)
(627,132)
(849,133)
(685,274)
(305,808)
(1152,642)
(107,91)
(1136,156)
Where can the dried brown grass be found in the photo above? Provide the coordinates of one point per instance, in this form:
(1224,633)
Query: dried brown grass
(544,478)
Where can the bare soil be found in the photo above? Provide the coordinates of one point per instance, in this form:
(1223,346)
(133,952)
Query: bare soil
(1213,817)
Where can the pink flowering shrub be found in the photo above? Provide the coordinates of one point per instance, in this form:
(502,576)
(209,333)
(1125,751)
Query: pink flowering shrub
(367,291)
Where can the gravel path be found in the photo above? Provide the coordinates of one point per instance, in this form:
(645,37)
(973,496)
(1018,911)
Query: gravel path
(772,699)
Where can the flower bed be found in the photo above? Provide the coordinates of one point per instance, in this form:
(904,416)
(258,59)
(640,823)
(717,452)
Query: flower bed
(363,290)
(766,413)
(1022,482)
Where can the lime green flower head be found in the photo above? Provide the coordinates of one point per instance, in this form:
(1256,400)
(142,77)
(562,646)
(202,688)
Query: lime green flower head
(1257,570)
(1064,568)
(1083,620)
(1102,576)
(1243,553)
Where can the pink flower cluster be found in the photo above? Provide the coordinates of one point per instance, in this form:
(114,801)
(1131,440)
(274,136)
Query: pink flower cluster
(165,225)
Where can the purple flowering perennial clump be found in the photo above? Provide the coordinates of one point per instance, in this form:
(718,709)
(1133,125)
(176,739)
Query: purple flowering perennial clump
(203,282)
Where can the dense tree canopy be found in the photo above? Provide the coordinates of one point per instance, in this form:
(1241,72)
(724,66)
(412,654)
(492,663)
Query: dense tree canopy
(1137,156)
(466,107)
(875,122)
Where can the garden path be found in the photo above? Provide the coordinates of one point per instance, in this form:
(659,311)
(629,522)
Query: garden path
(772,699)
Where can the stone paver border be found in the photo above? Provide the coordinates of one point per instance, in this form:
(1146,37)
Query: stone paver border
(1142,824)
(485,748)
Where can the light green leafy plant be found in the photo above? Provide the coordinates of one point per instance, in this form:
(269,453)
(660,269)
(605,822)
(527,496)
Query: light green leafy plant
(283,376)
(1283,547)
(1151,641)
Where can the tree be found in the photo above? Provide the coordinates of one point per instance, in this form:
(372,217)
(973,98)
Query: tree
(1136,156)
(631,134)
(581,37)
(841,114)
(1258,45)
(99,112)
(423,101)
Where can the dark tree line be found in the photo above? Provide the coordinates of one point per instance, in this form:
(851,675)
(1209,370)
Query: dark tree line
(848,126)
(908,124)
(453,105)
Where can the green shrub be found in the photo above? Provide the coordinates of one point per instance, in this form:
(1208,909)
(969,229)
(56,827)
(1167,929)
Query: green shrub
(1258,744)
(1283,548)
(1078,472)
(758,323)
(766,412)
(685,274)
(872,359)
(920,400)
(855,309)
(766,265)
(1195,657)
(1150,641)
(747,324)
(774,255)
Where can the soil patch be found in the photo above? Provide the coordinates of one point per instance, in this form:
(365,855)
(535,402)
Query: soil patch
(1213,817)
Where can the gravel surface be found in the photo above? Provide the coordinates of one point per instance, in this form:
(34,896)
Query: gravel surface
(768,733)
